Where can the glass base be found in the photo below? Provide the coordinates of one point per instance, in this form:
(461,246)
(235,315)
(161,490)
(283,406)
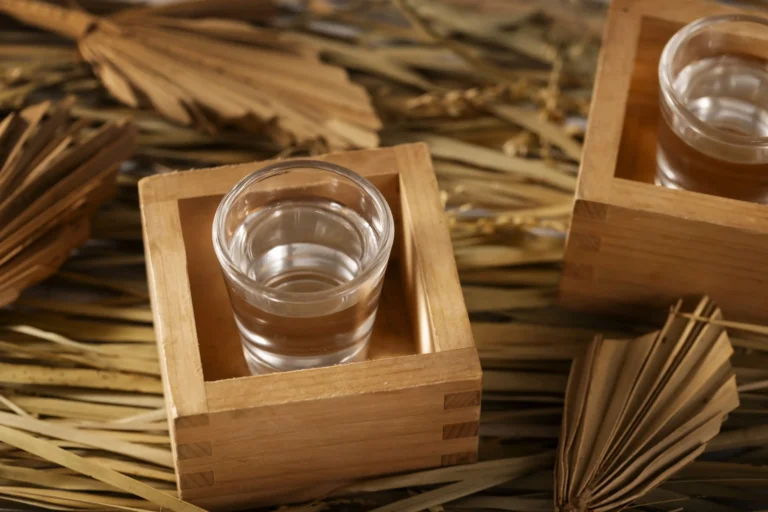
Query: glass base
(261,362)
(665,175)
(747,189)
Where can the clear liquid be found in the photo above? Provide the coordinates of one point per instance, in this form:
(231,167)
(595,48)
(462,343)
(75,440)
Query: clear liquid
(730,94)
(304,246)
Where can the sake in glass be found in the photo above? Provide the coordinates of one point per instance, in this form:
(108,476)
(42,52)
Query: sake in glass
(303,246)
(713,135)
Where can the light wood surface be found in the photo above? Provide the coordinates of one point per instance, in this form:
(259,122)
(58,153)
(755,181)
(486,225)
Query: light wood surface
(172,310)
(634,243)
(242,440)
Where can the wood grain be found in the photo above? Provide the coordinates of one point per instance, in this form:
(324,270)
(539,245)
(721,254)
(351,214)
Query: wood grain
(634,243)
(172,309)
(242,440)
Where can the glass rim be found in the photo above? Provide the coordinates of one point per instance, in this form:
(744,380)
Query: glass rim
(276,169)
(672,97)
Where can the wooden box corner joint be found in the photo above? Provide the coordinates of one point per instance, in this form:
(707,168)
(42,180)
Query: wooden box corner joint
(240,440)
(632,242)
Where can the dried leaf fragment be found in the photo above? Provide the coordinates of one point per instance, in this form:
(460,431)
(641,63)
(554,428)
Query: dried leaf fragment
(638,411)
(54,173)
(212,73)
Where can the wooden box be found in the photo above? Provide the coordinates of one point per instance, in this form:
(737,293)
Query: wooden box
(243,440)
(632,242)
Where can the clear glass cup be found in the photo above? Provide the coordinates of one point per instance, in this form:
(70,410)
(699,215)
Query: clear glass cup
(713,135)
(303,246)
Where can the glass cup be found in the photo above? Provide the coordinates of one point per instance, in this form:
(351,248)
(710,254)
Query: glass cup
(713,135)
(303,246)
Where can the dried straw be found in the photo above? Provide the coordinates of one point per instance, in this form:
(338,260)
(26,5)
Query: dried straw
(504,155)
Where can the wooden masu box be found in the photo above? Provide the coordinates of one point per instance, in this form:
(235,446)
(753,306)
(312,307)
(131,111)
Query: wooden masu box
(242,440)
(634,243)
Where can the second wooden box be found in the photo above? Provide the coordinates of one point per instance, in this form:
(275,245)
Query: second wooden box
(633,243)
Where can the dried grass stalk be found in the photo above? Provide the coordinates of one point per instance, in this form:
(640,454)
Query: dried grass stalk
(478,298)
(78,377)
(90,330)
(135,314)
(88,438)
(436,497)
(496,468)
(48,451)
(473,154)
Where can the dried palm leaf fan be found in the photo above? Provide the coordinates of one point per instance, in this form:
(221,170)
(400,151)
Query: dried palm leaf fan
(54,173)
(212,72)
(638,411)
